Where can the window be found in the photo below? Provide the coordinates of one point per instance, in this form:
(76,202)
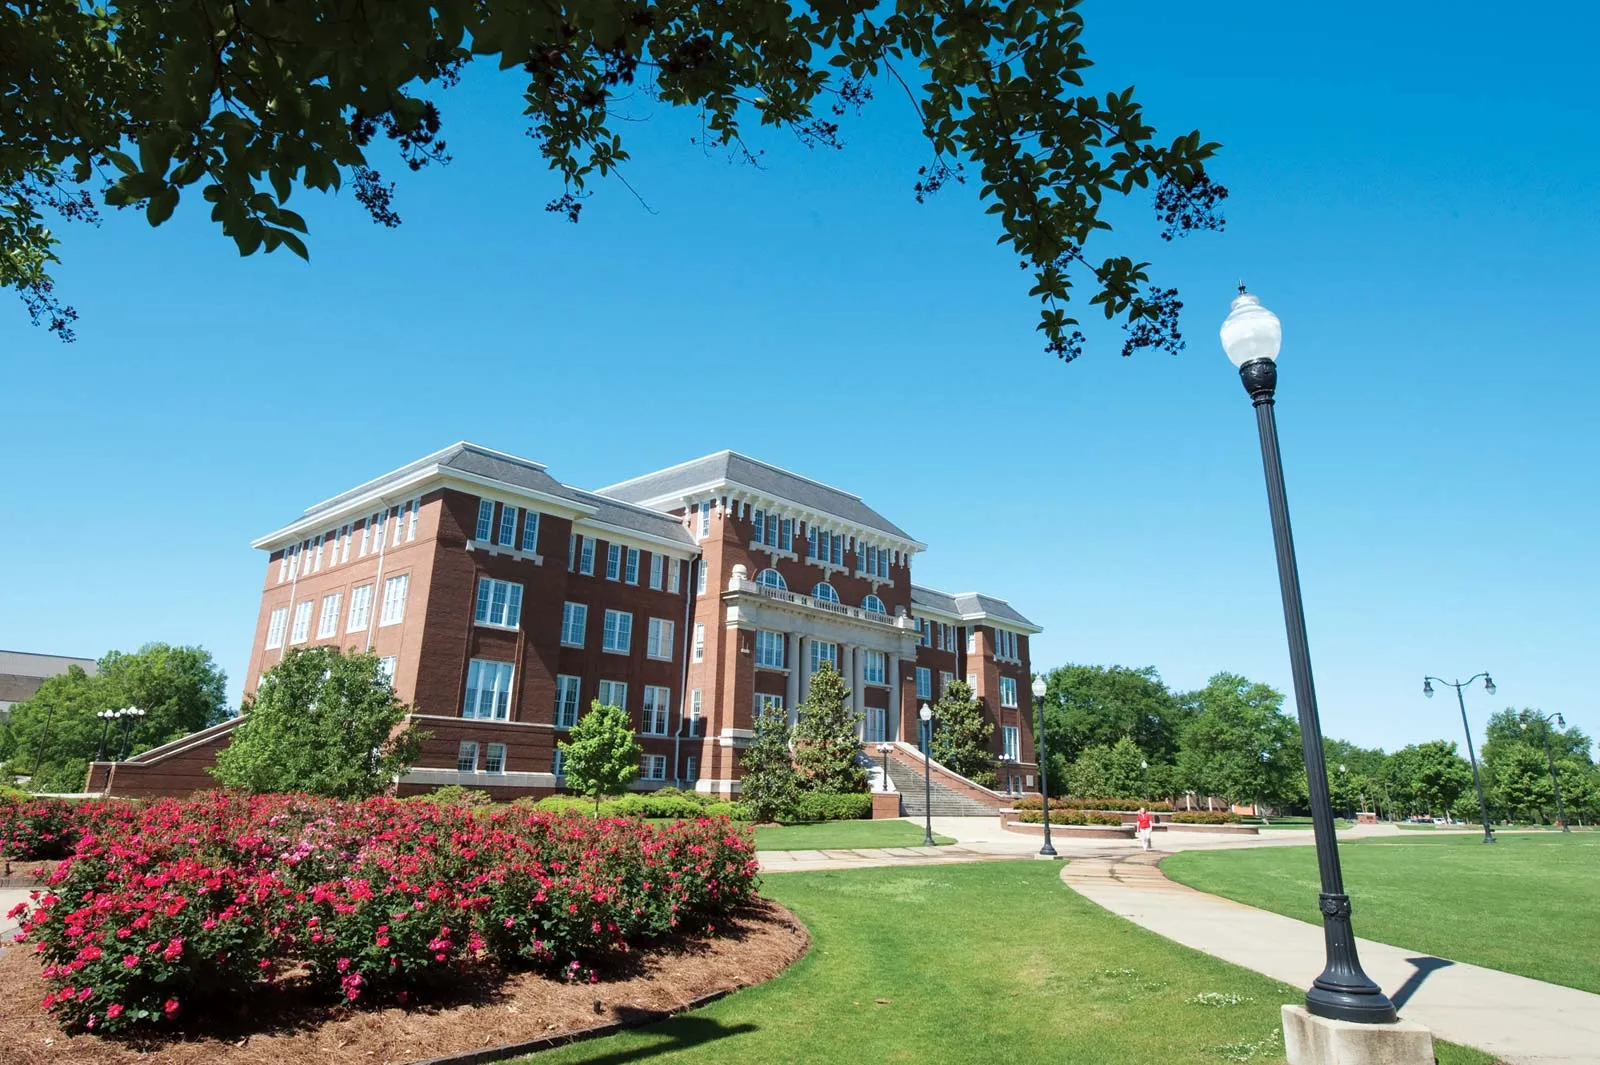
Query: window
(655,767)
(766,704)
(394,599)
(699,642)
(574,620)
(585,556)
(572,551)
(386,666)
(1012,741)
(827,548)
(657,702)
(656,570)
(691,769)
(924,630)
(972,682)
(1008,691)
(400,514)
(488,690)
(558,762)
(1005,645)
(773,531)
(618,635)
(874,604)
(344,543)
(530,532)
(631,574)
(824,592)
(411,521)
(771,578)
(494,758)
(275,626)
(824,652)
(786,534)
(658,643)
(485,520)
(694,712)
(316,559)
(972,642)
(366,529)
(302,622)
(700,579)
(328,620)
(499,603)
(614,693)
(283,566)
(945,680)
(759,519)
(467,757)
(874,667)
(360,608)
(924,682)
(769,649)
(613,562)
(877,724)
(674,576)
(567,700)
(704,521)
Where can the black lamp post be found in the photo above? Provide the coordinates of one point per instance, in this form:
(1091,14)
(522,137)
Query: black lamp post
(884,749)
(1047,851)
(129,716)
(926,714)
(105,717)
(1477,781)
(1144,772)
(1251,336)
(1561,809)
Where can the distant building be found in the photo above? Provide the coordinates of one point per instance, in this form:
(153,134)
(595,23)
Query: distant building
(21,673)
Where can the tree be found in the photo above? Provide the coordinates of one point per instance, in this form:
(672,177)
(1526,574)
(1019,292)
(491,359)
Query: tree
(825,743)
(1429,777)
(1098,705)
(1239,744)
(321,722)
(1529,727)
(601,755)
(180,689)
(251,101)
(961,734)
(769,787)
(1522,782)
(1112,772)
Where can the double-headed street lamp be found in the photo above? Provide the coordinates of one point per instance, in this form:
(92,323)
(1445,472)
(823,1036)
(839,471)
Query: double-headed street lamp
(106,717)
(1251,336)
(884,749)
(926,714)
(1144,772)
(1477,781)
(1561,809)
(129,715)
(1047,850)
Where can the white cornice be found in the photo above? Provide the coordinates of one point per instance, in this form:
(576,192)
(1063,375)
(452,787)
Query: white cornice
(616,534)
(824,519)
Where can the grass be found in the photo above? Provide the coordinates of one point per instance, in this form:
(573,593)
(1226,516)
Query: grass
(842,836)
(1523,905)
(987,962)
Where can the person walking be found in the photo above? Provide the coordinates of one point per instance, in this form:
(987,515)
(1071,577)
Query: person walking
(1142,823)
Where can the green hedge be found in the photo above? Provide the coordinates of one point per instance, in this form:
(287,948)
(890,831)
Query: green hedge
(826,806)
(1201,817)
(667,803)
(1034,802)
(1068,817)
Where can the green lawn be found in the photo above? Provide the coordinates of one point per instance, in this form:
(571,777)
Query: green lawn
(1524,905)
(958,964)
(842,836)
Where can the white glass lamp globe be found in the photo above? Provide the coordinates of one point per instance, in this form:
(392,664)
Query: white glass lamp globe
(1038,687)
(926,713)
(1250,331)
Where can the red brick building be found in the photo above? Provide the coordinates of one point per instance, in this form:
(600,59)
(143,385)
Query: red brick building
(503,601)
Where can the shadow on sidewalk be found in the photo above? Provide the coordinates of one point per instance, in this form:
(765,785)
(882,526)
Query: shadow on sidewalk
(1425,967)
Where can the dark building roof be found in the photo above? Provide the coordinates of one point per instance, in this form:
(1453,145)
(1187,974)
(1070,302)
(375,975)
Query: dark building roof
(466,458)
(21,672)
(968,605)
(627,516)
(730,467)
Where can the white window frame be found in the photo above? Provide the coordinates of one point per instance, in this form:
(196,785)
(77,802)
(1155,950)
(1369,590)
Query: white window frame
(769,649)
(387,665)
(277,624)
(817,657)
(328,619)
(415,506)
(613,693)
(876,725)
(366,532)
(505,533)
(873,605)
(972,641)
(972,682)
(586,556)
(696,705)
(485,526)
(771,578)
(316,558)
(945,680)
(875,668)
(766,702)
(700,579)
(658,639)
(498,604)
(656,711)
(344,543)
(699,642)
(467,757)
(630,569)
(574,624)
(654,767)
(1008,692)
(832,595)
(703,521)
(613,562)
(691,769)
(394,600)
(360,608)
(300,632)
(617,635)
(490,684)
(558,763)
(924,682)
(569,700)
(675,577)
(530,532)
(1011,742)
(657,570)
(494,759)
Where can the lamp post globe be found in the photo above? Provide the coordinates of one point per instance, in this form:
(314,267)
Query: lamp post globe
(105,717)
(1555,782)
(926,714)
(1252,336)
(1039,688)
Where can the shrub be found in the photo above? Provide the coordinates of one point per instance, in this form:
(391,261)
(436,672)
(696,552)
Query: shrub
(456,795)
(36,828)
(1034,802)
(1068,817)
(827,806)
(1201,817)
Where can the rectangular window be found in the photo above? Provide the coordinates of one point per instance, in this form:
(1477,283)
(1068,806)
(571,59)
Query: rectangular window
(700,579)
(566,700)
(875,668)
(786,534)
(691,769)
(704,520)
(394,599)
(657,566)
(283,566)
(275,626)
(488,690)
(508,526)
(399,521)
(467,757)
(972,642)
(699,642)
(530,532)
(924,682)
(316,560)
(485,520)
(655,767)
(360,609)
(945,680)
(877,724)
(972,682)
(759,519)
(1012,739)
(674,579)
(613,562)
(411,520)
(824,652)
(328,620)
(499,603)
(766,704)
(558,763)
(618,635)
(614,693)
(572,552)
(631,573)
(1008,691)
(366,529)
(302,623)
(382,518)
(658,642)
(344,544)
(694,712)
(574,623)
(386,666)
(657,702)
(769,649)
(838,550)
(922,633)
(494,758)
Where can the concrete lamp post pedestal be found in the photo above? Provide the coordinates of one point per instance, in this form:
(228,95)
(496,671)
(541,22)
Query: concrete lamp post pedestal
(1312,1040)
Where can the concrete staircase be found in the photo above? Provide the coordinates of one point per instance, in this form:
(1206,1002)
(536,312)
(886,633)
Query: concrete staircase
(946,803)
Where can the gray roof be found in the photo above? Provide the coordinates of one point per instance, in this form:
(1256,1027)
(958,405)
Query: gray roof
(467,458)
(730,466)
(627,516)
(22,672)
(968,605)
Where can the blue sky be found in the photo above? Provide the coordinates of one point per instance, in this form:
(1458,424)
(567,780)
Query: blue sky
(1413,193)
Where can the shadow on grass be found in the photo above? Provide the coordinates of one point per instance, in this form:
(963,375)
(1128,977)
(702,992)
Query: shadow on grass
(1425,966)
(667,1037)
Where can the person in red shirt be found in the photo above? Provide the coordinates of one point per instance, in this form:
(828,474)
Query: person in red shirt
(1142,823)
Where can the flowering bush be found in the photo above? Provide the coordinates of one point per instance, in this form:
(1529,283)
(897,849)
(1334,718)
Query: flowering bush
(36,828)
(163,909)
(1201,817)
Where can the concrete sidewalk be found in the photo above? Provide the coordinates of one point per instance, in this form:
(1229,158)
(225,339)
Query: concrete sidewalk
(1521,1021)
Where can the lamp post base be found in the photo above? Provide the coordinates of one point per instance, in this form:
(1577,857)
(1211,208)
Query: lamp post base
(1312,1040)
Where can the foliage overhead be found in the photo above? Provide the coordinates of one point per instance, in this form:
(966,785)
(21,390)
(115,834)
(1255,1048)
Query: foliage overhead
(961,733)
(138,104)
(321,722)
(825,739)
(601,755)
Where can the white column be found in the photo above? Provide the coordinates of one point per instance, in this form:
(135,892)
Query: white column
(791,695)
(858,680)
(891,725)
(805,669)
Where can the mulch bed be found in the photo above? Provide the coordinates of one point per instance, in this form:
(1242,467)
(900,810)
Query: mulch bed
(284,1026)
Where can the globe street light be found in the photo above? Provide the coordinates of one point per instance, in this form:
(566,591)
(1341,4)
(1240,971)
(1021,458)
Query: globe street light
(1144,771)
(130,714)
(1561,809)
(1251,336)
(884,749)
(926,713)
(1046,851)
(105,717)
(1477,782)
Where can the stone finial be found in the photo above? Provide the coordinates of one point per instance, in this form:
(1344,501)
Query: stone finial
(740,576)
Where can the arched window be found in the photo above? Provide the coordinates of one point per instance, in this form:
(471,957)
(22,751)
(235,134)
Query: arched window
(771,578)
(874,604)
(824,592)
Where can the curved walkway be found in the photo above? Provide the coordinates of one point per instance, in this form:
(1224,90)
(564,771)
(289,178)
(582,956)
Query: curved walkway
(1521,1021)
